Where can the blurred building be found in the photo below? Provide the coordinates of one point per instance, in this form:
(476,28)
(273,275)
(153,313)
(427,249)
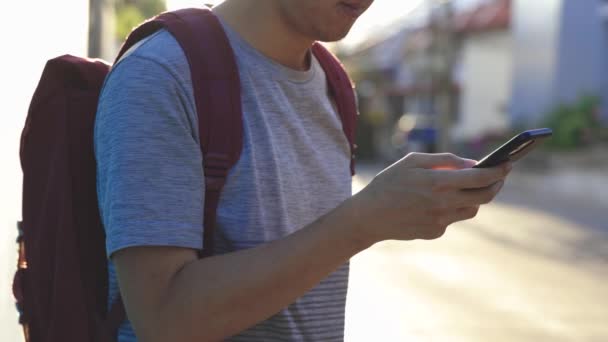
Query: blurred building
(382,74)
(403,78)
(484,70)
(560,52)
(512,62)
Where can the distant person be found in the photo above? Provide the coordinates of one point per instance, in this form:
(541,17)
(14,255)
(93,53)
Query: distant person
(287,224)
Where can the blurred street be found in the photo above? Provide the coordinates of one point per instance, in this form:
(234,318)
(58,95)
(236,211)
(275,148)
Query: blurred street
(523,270)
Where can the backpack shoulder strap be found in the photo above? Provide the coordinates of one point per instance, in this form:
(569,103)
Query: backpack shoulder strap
(341,88)
(217,92)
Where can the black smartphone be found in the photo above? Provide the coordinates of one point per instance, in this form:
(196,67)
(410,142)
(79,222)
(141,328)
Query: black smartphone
(515,148)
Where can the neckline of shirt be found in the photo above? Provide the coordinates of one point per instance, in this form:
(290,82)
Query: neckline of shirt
(279,71)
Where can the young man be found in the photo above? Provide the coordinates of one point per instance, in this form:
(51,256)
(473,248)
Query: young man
(286,223)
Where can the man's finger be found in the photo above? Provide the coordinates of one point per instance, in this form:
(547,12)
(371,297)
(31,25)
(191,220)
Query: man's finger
(476,197)
(468,178)
(439,161)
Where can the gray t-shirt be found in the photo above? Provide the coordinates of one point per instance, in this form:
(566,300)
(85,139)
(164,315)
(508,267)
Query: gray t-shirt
(294,168)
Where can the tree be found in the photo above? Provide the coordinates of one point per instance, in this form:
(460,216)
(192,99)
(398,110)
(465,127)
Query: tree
(130,13)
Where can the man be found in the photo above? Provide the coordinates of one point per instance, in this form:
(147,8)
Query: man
(286,223)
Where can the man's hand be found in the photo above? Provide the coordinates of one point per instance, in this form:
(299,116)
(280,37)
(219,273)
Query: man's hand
(419,196)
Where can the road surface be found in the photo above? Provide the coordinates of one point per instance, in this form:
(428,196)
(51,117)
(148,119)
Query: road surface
(526,269)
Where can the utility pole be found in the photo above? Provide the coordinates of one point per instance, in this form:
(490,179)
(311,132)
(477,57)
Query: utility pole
(101,29)
(442,55)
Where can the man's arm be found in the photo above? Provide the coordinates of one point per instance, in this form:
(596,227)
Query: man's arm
(170,295)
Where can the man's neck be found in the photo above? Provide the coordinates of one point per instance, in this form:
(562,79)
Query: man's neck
(262,25)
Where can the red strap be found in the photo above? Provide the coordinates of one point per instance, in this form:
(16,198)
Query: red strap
(342,90)
(217,89)
(115,317)
(141,32)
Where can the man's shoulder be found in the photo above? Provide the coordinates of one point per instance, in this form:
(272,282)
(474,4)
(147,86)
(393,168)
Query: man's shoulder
(163,50)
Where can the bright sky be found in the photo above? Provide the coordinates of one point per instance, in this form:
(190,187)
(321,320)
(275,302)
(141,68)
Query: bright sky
(380,15)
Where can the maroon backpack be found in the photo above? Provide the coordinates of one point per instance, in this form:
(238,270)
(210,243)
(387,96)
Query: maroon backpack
(61,285)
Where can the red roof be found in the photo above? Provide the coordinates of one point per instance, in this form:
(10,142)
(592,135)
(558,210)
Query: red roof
(486,17)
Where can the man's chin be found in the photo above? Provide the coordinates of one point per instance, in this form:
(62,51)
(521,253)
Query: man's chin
(330,37)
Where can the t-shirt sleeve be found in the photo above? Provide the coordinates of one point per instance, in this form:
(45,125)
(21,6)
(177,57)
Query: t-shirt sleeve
(150,182)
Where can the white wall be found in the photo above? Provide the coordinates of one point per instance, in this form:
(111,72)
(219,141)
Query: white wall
(31,32)
(537,27)
(487,65)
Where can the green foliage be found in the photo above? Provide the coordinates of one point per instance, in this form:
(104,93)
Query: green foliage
(127,19)
(150,8)
(574,125)
(130,13)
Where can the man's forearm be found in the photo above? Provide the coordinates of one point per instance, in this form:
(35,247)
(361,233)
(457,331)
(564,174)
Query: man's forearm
(216,297)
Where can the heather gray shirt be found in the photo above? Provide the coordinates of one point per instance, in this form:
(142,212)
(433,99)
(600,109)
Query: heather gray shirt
(294,168)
